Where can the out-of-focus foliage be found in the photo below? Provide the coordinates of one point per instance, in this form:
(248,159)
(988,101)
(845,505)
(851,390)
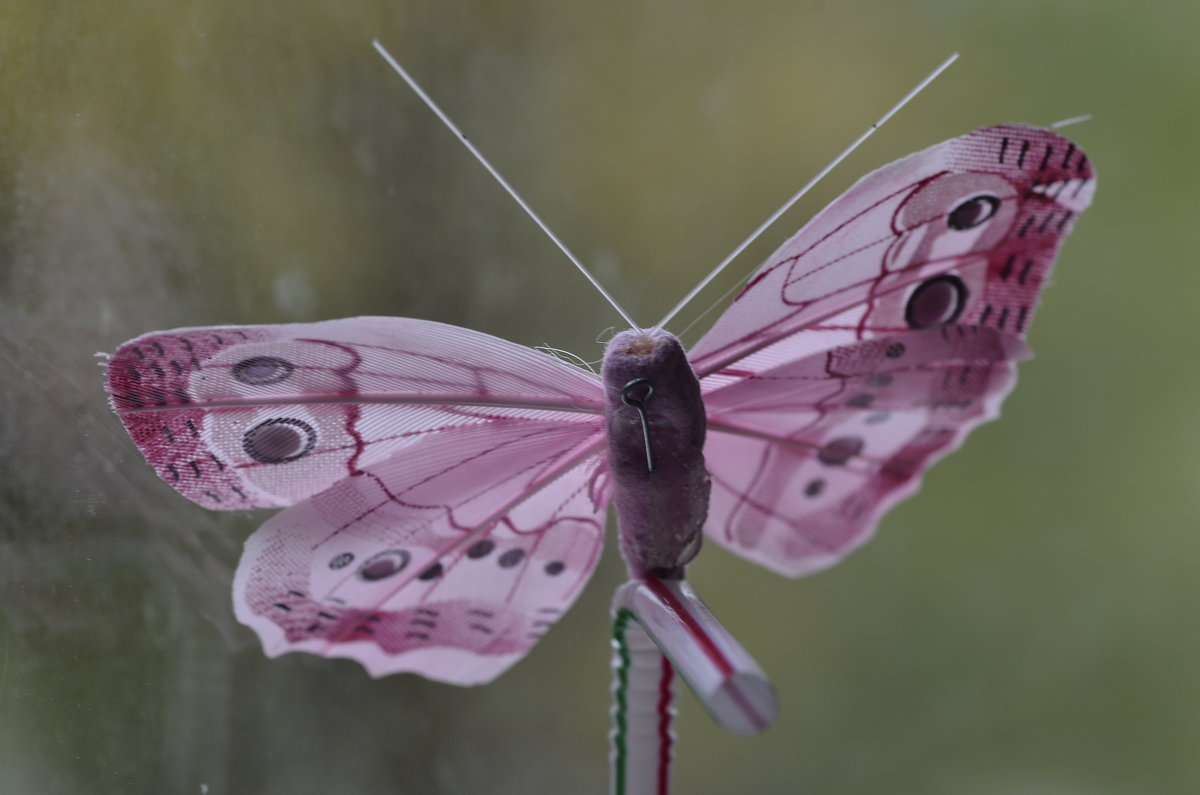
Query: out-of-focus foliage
(1025,625)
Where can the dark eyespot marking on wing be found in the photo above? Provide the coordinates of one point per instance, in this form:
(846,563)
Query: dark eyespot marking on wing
(481,549)
(342,561)
(279,440)
(511,558)
(263,370)
(973,212)
(385,564)
(837,452)
(936,302)
(431,573)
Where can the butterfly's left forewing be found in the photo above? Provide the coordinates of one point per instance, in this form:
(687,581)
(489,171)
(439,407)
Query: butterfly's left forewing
(237,417)
(875,339)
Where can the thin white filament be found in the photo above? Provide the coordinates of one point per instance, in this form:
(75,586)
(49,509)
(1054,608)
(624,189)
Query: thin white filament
(503,183)
(1070,121)
(807,187)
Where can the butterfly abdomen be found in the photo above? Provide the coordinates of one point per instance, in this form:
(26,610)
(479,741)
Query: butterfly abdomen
(656,426)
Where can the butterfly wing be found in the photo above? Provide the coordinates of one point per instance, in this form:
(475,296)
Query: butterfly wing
(914,292)
(265,416)
(449,560)
(447,495)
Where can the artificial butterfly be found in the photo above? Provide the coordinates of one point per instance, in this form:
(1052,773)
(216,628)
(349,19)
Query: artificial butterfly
(446,491)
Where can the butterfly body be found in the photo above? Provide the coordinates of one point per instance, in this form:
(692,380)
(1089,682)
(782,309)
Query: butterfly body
(656,427)
(445,491)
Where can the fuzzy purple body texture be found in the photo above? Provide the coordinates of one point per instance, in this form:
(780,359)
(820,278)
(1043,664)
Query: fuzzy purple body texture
(656,427)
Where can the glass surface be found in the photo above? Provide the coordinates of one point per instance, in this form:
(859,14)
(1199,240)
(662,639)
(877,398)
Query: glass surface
(1026,624)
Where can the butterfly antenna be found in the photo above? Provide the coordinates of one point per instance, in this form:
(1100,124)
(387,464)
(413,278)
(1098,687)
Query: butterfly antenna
(1073,120)
(503,182)
(807,187)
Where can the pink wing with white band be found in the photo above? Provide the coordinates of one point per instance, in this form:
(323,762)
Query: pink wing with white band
(447,487)
(265,416)
(874,340)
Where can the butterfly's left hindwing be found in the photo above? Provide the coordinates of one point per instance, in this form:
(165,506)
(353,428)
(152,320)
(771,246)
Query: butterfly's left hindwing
(876,338)
(450,560)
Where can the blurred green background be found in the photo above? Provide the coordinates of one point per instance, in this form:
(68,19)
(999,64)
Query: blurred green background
(1026,624)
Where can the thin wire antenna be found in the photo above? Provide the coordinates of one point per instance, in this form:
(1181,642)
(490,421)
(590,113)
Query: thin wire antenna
(1070,121)
(711,307)
(807,187)
(503,182)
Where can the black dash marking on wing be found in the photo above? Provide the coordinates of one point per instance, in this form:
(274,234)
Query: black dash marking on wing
(1024,151)
(240,493)
(1067,216)
(1003,148)
(282,606)
(1025,272)
(195,469)
(1006,271)
(1025,226)
(214,497)
(1046,223)
(1067,156)
(1024,313)
(194,430)
(170,436)
(1003,318)
(174,472)
(1046,157)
